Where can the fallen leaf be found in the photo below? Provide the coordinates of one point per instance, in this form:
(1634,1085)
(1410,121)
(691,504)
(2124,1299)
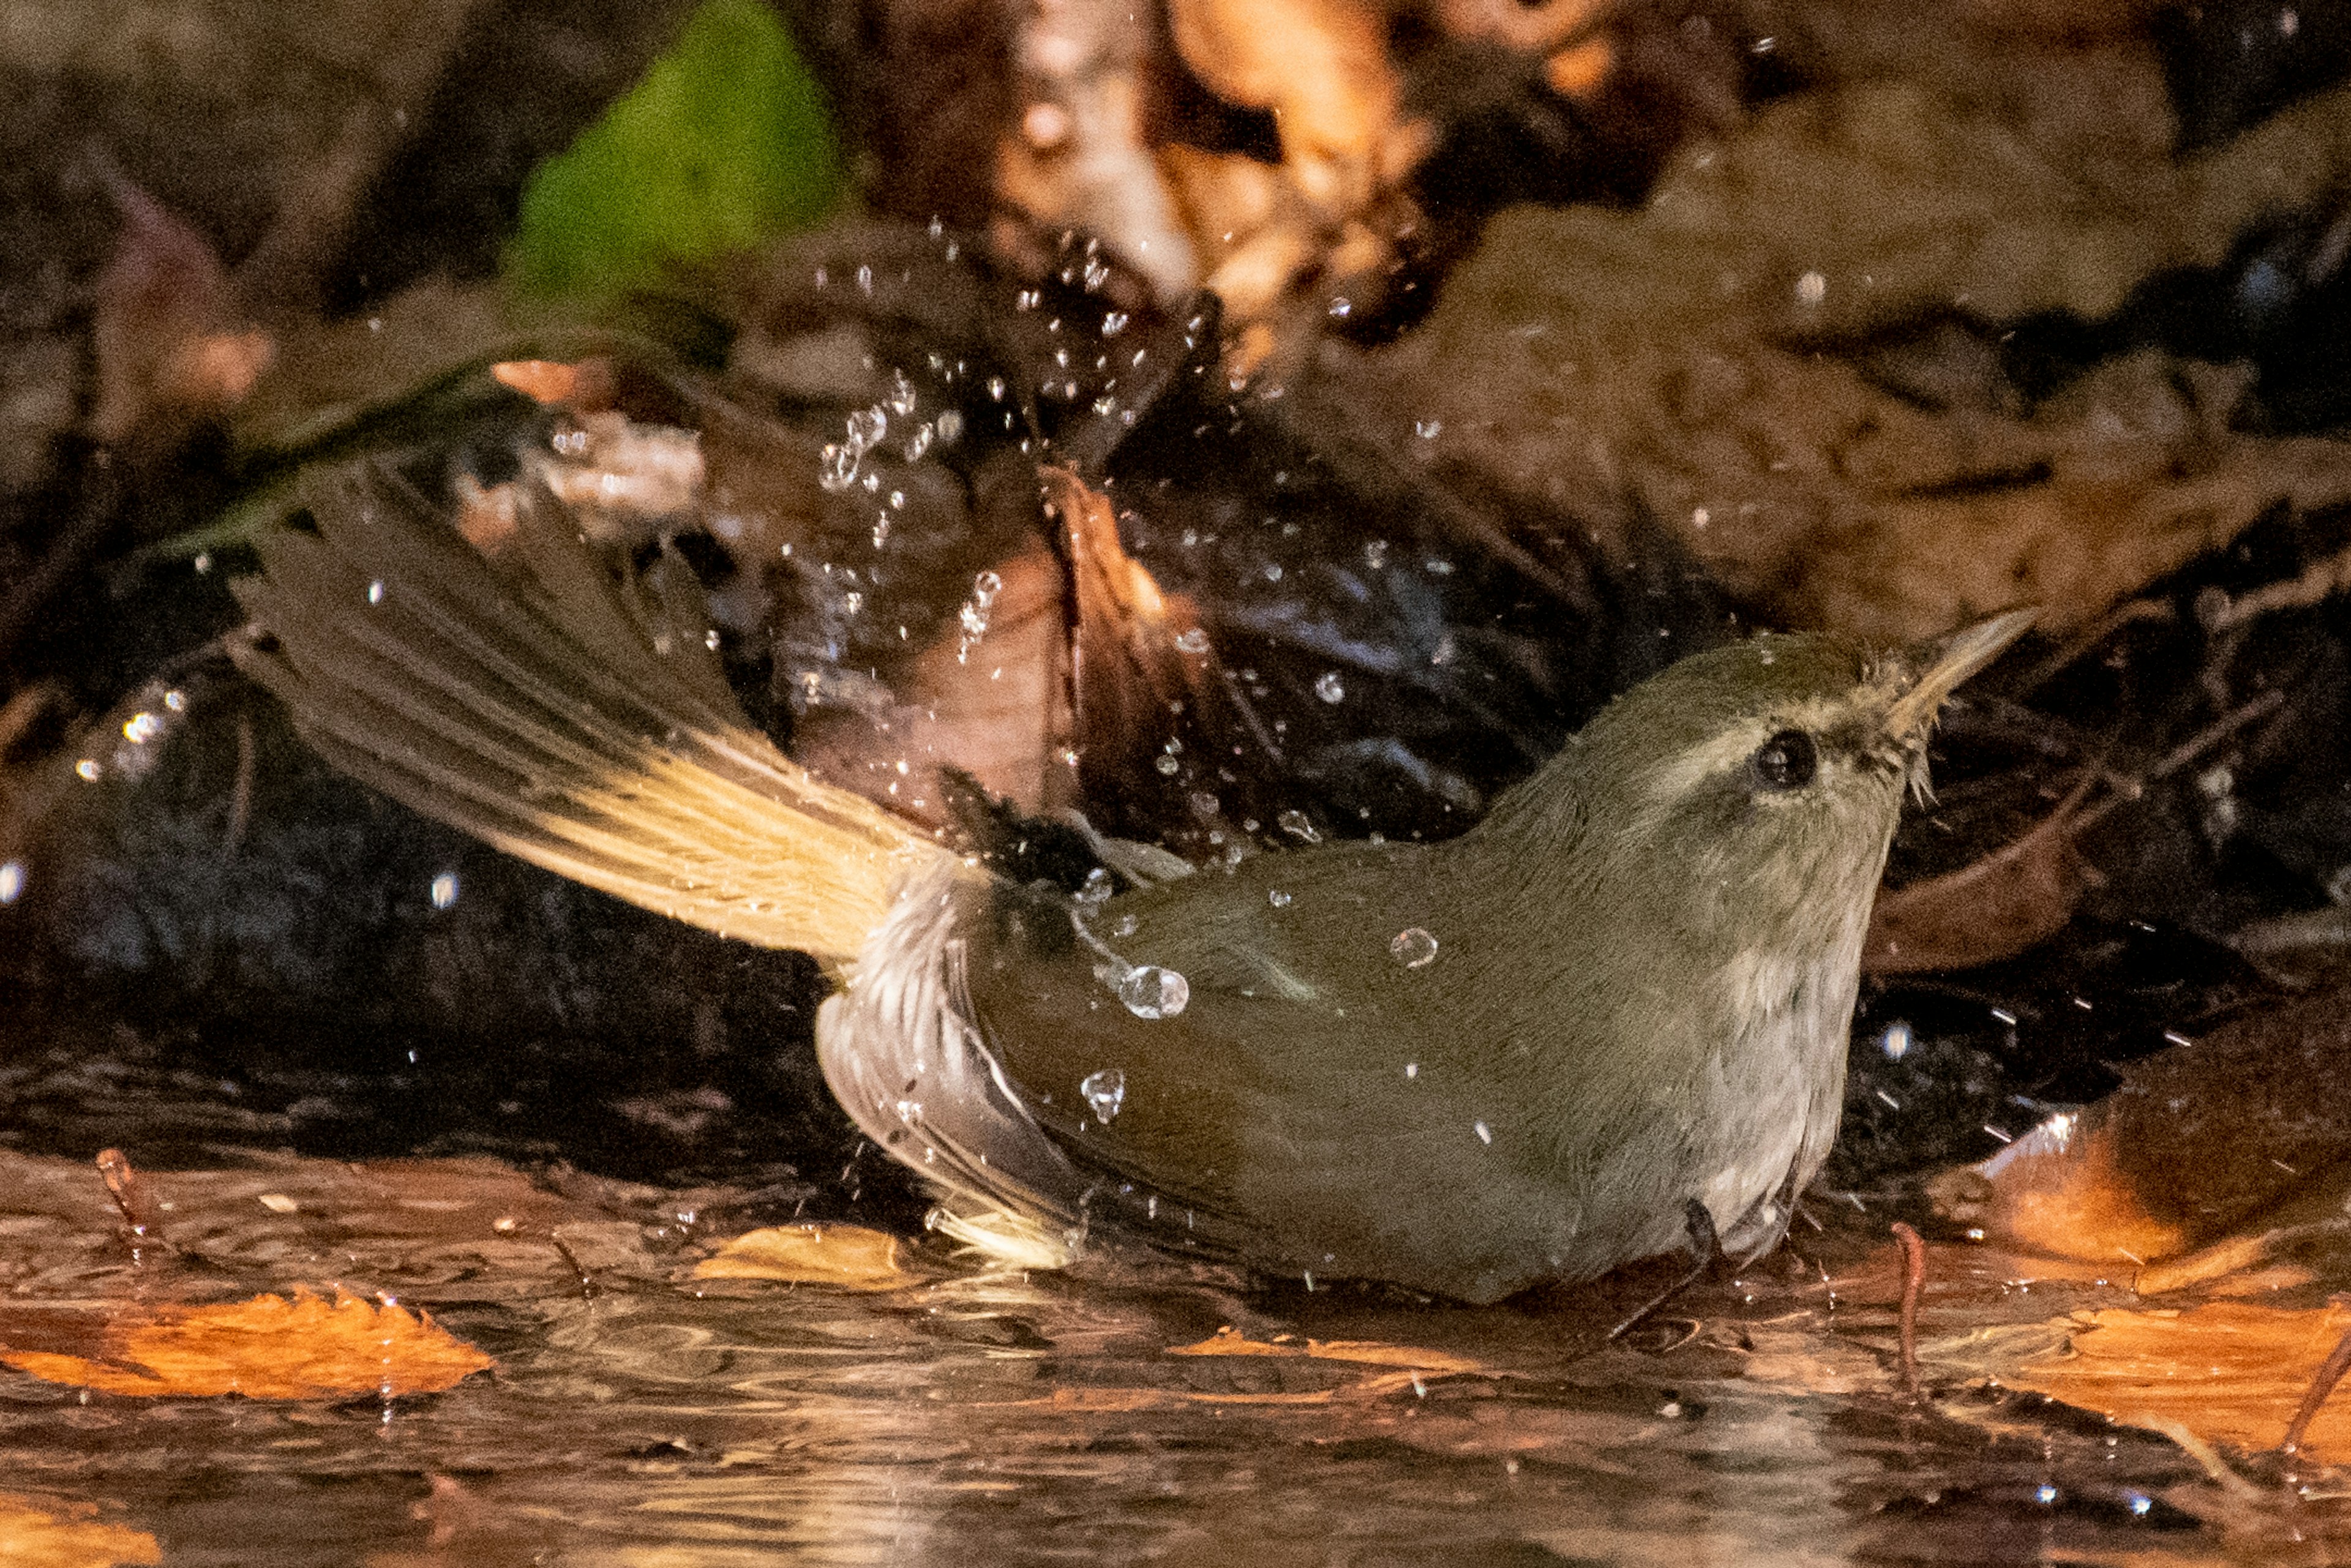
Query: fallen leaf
(2233,1132)
(267,1347)
(1993,909)
(586,385)
(39,1535)
(169,348)
(1230,1340)
(2227,1372)
(847,1257)
(724,143)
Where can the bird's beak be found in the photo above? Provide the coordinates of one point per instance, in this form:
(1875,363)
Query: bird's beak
(1945,664)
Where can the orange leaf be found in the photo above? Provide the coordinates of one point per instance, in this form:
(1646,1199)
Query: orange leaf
(34,1534)
(2228,1372)
(269,1347)
(846,1256)
(1229,1340)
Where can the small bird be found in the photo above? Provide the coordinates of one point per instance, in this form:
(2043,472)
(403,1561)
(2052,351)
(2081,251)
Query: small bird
(1608,1021)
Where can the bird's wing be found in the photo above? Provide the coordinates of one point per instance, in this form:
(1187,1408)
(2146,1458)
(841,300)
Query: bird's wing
(559,714)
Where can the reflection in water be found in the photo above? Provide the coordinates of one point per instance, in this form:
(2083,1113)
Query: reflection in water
(638,1415)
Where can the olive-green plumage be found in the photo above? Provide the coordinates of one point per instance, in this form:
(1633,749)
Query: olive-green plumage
(1464,1068)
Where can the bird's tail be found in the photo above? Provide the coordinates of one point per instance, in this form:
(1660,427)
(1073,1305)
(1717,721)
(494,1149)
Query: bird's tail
(574,720)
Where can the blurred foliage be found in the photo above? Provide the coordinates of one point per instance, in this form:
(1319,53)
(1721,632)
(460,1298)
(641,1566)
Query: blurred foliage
(726,142)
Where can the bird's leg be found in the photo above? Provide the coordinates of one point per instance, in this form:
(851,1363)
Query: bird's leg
(1705,1248)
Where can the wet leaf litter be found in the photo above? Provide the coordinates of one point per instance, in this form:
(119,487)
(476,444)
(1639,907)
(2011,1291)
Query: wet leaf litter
(2093,1067)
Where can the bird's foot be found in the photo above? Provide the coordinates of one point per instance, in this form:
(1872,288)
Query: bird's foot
(1705,1248)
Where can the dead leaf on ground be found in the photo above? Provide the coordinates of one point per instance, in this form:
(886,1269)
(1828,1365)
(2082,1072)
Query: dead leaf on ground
(1230,1340)
(846,1257)
(36,1533)
(2227,1372)
(266,1347)
(1993,909)
(2228,1133)
(169,347)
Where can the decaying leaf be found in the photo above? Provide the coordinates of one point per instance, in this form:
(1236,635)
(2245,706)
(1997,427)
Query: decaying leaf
(847,1257)
(2233,1132)
(2228,1372)
(1994,908)
(266,1347)
(169,347)
(1791,356)
(1229,1340)
(34,1534)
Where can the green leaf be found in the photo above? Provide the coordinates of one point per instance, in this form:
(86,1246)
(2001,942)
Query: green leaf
(724,143)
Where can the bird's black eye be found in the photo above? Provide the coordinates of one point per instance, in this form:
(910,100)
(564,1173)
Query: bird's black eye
(1786,761)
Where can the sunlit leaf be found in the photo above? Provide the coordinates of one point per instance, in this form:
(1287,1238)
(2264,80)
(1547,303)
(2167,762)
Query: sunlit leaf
(266,1347)
(36,1534)
(1373,1352)
(848,1257)
(2228,1372)
(725,142)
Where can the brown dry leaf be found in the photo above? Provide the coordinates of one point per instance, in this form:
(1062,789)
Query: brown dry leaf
(587,385)
(34,1534)
(2235,1132)
(846,1257)
(1229,1340)
(168,346)
(1994,908)
(267,1347)
(1765,356)
(2227,1372)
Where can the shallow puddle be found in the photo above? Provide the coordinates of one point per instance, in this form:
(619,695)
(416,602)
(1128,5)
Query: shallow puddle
(637,1414)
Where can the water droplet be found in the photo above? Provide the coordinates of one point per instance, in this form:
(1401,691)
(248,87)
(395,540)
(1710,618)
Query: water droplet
(866,426)
(1413,947)
(1193,641)
(1152,992)
(1114,323)
(918,443)
(1277,898)
(1412,1070)
(1099,887)
(1105,1091)
(1096,274)
(12,882)
(375,592)
(950,427)
(837,469)
(1340,309)
(1485,1134)
(1203,804)
(1895,1040)
(1428,429)
(1812,288)
(1166,764)
(901,393)
(141,728)
(1375,554)
(89,770)
(1297,824)
(1329,687)
(995,389)
(445,889)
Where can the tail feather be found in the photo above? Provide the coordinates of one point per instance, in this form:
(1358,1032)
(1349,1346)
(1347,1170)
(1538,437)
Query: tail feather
(566,718)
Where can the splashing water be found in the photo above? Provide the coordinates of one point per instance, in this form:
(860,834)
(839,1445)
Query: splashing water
(1105,1091)
(1412,947)
(1152,992)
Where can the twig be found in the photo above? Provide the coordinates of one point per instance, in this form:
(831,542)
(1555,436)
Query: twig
(132,1201)
(2330,1373)
(1914,1281)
